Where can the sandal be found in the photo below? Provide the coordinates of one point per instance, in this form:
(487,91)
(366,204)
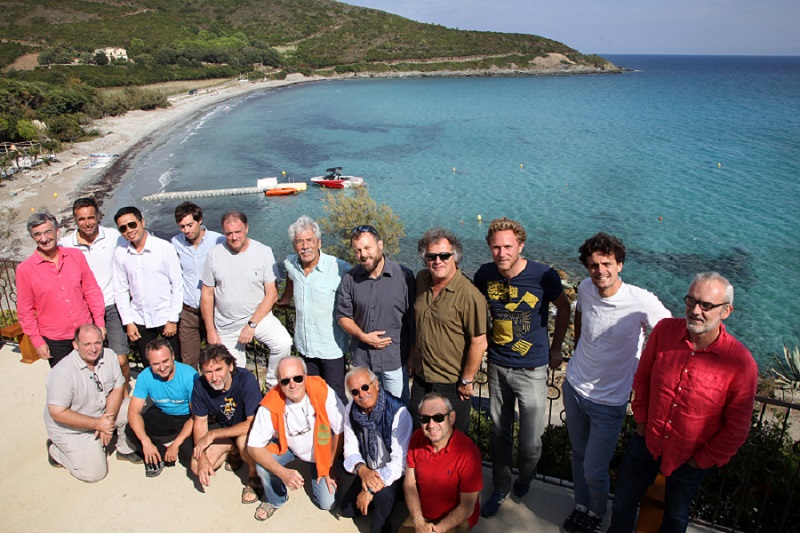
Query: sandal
(268,510)
(249,492)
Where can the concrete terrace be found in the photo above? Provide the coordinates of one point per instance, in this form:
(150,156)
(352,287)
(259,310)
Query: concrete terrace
(37,497)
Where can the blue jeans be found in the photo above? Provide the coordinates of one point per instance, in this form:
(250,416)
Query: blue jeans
(593,431)
(275,491)
(396,383)
(507,387)
(639,470)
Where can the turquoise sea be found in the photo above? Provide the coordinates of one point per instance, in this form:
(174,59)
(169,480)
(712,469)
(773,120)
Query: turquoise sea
(693,161)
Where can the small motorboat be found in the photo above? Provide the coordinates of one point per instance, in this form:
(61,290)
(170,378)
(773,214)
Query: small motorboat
(334,180)
(280,191)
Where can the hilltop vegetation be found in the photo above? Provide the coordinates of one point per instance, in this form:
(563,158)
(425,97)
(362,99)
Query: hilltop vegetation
(167,40)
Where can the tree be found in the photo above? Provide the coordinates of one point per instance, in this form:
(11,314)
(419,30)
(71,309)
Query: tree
(100,58)
(347,211)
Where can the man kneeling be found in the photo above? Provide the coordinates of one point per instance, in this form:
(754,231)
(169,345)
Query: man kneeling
(300,417)
(224,402)
(377,428)
(169,384)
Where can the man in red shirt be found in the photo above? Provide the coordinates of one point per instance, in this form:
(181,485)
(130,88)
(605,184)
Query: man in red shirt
(56,292)
(693,402)
(444,475)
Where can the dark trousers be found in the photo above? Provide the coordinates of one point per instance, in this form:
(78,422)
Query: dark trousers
(58,350)
(162,428)
(639,470)
(191,332)
(331,370)
(382,504)
(450,391)
(149,334)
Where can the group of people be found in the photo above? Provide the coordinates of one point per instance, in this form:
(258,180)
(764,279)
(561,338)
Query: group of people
(398,419)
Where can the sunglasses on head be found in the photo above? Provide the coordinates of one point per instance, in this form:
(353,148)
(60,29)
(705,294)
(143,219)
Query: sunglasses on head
(366,228)
(438,418)
(365,387)
(130,225)
(297,379)
(444,256)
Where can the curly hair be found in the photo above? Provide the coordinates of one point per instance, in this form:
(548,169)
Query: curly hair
(435,235)
(603,243)
(506,224)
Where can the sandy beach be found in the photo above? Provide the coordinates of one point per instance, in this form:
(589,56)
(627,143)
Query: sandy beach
(55,186)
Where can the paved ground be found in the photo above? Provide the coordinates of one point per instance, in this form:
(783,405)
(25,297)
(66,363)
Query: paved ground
(37,497)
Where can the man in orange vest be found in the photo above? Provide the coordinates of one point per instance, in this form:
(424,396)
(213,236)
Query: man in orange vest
(300,418)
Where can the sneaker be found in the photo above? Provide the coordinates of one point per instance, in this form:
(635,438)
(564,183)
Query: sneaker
(519,489)
(52,462)
(592,524)
(575,521)
(492,505)
(131,457)
(153,470)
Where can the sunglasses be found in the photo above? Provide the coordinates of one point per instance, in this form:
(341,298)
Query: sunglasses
(97,382)
(438,418)
(296,379)
(444,256)
(365,387)
(130,225)
(705,306)
(366,228)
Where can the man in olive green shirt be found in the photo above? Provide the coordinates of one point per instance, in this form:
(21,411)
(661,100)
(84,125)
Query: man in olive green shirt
(451,325)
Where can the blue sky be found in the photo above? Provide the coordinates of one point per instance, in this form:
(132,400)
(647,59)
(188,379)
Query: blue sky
(746,27)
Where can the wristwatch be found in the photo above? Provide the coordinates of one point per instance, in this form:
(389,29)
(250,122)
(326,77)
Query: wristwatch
(252,324)
(465,381)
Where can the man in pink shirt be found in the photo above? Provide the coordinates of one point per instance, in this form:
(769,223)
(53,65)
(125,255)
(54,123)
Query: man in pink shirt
(56,292)
(693,402)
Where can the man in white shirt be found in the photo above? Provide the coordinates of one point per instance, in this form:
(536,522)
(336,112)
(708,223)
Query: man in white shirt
(238,294)
(98,244)
(192,244)
(300,418)
(377,428)
(610,322)
(148,285)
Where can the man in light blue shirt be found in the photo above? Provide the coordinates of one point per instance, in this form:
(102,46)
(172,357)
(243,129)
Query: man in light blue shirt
(313,279)
(192,244)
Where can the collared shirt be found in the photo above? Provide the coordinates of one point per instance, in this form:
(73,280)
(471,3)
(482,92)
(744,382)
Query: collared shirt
(317,334)
(72,384)
(446,326)
(100,256)
(192,261)
(52,301)
(442,476)
(695,403)
(381,304)
(393,465)
(148,286)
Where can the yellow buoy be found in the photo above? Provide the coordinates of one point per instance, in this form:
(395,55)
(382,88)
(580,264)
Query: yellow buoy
(283,172)
(55,195)
(521,166)
(480,218)
(719,165)
(454,170)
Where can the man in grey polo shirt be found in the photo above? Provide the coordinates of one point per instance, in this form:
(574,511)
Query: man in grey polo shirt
(98,244)
(375,306)
(85,408)
(192,244)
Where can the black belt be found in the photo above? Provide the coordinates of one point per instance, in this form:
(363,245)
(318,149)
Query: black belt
(191,309)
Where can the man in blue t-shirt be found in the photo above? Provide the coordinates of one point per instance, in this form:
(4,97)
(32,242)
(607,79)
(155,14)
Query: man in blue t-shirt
(169,385)
(519,293)
(224,403)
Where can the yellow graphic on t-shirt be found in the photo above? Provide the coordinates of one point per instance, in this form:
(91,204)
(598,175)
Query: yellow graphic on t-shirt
(499,290)
(530,299)
(229,408)
(502,331)
(521,347)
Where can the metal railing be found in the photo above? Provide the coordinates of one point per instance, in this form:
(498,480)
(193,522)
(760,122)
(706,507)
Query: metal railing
(8,291)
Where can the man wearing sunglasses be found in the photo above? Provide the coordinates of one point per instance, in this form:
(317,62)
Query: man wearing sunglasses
(377,428)
(519,293)
(86,409)
(611,319)
(224,403)
(148,283)
(56,292)
(693,401)
(312,279)
(374,307)
(451,327)
(444,475)
(299,418)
